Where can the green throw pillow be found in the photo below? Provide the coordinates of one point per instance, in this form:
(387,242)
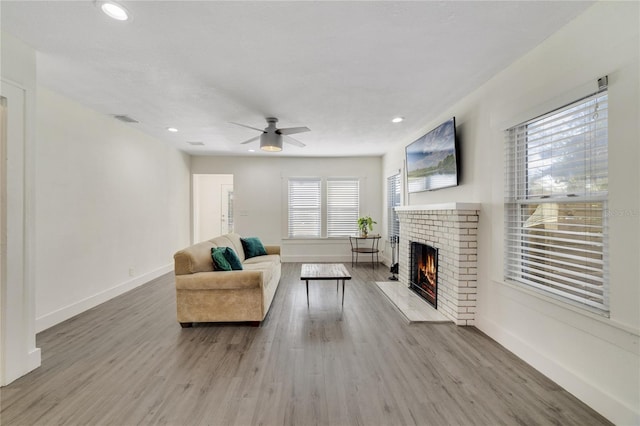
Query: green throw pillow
(232,258)
(253,247)
(220,262)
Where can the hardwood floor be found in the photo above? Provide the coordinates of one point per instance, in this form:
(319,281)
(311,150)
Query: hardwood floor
(128,362)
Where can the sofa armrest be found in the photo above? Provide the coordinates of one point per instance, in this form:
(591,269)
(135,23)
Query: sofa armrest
(272,249)
(220,280)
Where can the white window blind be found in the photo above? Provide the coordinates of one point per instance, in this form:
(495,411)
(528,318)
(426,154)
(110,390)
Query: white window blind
(556,199)
(343,204)
(305,204)
(393,200)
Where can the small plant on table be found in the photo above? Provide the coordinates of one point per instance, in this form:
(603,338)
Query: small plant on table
(365,224)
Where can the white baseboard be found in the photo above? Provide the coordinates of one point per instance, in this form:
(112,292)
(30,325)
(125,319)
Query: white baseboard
(63,314)
(34,359)
(31,362)
(606,404)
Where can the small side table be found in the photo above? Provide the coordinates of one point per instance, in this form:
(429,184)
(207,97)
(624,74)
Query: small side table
(360,244)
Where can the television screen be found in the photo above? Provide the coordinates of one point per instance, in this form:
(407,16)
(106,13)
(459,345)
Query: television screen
(432,159)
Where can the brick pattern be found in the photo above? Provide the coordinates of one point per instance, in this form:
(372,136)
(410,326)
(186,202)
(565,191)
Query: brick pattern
(455,234)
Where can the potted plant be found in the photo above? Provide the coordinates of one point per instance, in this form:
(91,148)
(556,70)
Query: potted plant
(365,224)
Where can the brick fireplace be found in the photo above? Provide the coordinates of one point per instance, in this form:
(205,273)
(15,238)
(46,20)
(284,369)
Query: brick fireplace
(452,228)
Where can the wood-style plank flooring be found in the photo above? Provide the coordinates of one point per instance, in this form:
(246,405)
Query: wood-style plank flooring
(128,362)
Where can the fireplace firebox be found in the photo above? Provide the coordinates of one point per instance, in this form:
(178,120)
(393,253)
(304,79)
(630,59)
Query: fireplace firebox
(423,269)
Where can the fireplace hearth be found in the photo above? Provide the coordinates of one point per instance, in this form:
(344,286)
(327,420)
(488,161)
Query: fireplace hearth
(424,272)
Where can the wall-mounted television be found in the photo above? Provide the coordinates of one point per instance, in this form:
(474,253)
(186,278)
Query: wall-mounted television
(432,160)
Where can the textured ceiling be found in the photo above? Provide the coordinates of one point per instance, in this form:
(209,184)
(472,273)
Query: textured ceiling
(344,69)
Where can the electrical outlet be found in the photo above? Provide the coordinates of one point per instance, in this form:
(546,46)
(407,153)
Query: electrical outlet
(132,271)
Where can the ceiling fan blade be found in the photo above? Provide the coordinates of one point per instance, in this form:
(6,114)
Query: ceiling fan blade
(250,140)
(248,127)
(292,141)
(292,130)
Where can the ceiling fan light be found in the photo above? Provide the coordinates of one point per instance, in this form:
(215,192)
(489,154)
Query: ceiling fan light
(271,142)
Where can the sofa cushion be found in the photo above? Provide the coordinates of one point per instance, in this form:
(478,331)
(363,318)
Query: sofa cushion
(269,258)
(253,247)
(266,268)
(231,240)
(221,280)
(232,258)
(220,262)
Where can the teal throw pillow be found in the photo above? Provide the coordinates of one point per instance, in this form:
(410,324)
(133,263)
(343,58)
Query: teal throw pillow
(253,247)
(220,262)
(232,258)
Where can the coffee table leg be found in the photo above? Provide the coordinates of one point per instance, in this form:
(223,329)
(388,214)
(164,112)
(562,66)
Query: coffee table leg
(343,292)
(307,281)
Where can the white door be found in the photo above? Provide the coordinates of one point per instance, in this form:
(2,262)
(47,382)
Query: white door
(212,206)
(226,208)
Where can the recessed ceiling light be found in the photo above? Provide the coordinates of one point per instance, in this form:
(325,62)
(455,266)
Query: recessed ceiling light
(113,10)
(252,150)
(397,120)
(172,129)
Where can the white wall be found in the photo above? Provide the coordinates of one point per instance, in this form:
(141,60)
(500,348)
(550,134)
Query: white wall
(594,357)
(260,198)
(18,354)
(113,205)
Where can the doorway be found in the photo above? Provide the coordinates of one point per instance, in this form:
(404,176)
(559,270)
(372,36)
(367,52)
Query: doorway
(212,206)
(3,230)
(18,352)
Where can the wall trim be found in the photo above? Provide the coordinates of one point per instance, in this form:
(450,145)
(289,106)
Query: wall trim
(604,403)
(599,326)
(34,359)
(315,258)
(384,262)
(49,320)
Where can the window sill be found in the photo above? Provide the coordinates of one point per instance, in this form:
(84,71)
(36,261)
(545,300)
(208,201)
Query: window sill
(314,239)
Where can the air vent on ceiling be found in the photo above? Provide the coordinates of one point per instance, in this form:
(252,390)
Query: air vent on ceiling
(125,118)
(196,143)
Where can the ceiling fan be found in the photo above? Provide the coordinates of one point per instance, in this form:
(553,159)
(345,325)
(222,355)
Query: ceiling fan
(271,137)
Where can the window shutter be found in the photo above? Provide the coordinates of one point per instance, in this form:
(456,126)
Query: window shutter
(393,200)
(304,207)
(343,207)
(556,199)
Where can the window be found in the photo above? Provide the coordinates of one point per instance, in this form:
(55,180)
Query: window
(304,207)
(556,198)
(393,200)
(343,207)
(333,212)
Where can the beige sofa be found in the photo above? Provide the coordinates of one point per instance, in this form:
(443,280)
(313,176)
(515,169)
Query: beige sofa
(205,295)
